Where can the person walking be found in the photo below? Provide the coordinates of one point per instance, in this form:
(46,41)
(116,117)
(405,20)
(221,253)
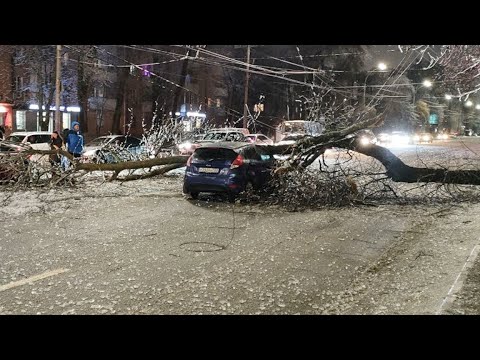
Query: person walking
(74,140)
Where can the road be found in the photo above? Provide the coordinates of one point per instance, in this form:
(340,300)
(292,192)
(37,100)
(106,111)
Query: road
(141,248)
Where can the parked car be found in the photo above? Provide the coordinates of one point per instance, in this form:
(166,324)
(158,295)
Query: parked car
(189,143)
(224,134)
(259,139)
(227,167)
(112,149)
(291,139)
(38,140)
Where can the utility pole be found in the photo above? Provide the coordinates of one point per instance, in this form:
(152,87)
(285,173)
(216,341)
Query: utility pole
(245,107)
(58,121)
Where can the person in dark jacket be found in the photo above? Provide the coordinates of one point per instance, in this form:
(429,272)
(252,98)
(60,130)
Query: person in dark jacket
(74,140)
(56,143)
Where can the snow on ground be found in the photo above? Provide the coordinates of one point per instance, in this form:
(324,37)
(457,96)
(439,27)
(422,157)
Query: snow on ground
(22,202)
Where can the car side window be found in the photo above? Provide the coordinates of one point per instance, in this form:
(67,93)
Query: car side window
(250,154)
(43,139)
(132,142)
(264,156)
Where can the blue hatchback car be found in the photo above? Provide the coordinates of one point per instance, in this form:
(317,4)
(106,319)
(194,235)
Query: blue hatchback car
(227,167)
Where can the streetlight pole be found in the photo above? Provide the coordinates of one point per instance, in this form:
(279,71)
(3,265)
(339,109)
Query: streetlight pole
(58,122)
(245,107)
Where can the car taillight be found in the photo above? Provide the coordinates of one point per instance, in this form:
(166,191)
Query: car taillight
(189,161)
(237,162)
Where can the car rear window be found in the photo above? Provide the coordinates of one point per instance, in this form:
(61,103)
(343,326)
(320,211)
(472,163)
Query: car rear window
(212,154)
(39,139)
(16,138)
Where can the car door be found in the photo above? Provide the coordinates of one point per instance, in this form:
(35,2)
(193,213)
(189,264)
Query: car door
(258,171)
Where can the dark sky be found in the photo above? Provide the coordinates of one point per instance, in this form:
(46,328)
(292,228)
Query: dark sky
(389,54)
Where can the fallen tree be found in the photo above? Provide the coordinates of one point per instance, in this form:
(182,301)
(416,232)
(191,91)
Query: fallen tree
(302,155)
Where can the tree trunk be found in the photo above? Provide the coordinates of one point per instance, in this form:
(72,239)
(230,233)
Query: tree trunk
(51,93)
(40,101)
(82,91)
(122,74)
(400,172)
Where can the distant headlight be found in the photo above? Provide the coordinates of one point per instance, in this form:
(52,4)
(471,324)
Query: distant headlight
(426,137)
(364,141)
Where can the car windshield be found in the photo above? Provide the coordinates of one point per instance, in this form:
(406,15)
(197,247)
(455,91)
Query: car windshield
(215,136)
(99,141)
(212,154)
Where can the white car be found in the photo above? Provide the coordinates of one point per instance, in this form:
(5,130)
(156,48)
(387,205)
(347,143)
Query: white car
(291,139)
(259,139)
(113,149)
(38,140)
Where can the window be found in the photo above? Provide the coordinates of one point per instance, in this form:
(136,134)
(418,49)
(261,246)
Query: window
(66,120)
(133,142)
(18,83)
(98,91)
(20,119)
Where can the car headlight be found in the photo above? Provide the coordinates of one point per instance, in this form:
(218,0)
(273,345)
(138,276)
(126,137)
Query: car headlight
(364,141)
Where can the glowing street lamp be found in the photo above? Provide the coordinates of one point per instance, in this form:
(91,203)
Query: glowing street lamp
(427,83)
(477,106)
(380,66)
(448,97)
(468,103)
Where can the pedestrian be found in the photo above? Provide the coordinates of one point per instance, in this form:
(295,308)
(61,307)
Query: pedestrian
(56,143)
(65,133)
(74,140)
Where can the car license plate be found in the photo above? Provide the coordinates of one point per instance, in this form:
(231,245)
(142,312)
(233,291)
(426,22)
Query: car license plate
(208,170)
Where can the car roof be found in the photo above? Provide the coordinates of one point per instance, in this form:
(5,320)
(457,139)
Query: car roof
(226,145)
(31,133)
(229,129)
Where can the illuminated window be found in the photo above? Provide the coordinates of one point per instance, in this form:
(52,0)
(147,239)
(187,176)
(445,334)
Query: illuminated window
(20,117)
(66,120)
(146,70)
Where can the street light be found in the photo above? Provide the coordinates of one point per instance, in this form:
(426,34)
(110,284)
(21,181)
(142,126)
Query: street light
(380,66)
(468,103)
(427,83)
(448,97)
(477,106)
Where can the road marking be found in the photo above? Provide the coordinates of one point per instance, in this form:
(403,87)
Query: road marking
(31,279)
(469,262)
